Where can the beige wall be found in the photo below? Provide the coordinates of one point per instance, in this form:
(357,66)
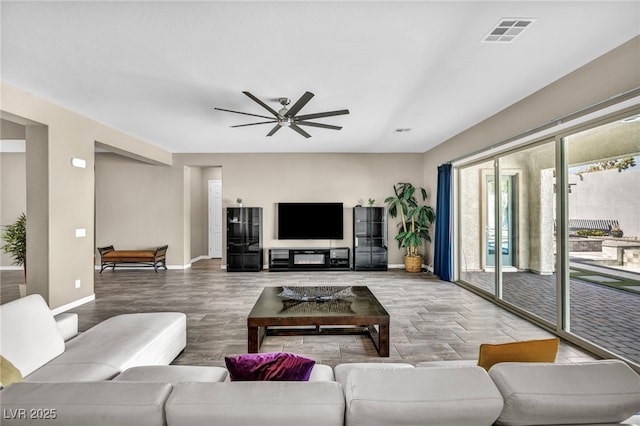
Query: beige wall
(613,73)
(262,180)
(39,230)
(13,193)
(68,201)
(11,130)
(198,219)
(139,205)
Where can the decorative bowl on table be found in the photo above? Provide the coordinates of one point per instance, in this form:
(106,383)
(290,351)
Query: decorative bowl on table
(324,293)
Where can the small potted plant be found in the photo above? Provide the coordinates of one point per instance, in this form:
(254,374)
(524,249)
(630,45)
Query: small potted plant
(416,220)
(616,232)
(371,202)
(15,244)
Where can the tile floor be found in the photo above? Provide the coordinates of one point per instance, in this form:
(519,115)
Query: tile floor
(430,319)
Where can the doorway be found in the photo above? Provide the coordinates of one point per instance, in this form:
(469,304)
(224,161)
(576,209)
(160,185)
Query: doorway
(215,218)
(505,239)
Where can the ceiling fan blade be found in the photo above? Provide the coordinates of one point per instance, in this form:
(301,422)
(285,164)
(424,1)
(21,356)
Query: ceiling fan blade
(265,106)
(244,113)
(275,129)
(299,104)
(322,114)
(324,126)
(299,130)
(254,124)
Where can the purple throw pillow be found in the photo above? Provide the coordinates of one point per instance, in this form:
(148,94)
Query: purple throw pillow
(272,366)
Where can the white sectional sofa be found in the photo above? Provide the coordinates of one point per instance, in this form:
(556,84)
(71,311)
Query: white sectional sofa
(34,342)
(129,385)
(606,393)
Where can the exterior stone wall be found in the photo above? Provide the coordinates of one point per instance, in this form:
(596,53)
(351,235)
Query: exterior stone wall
(608,194)
(584,245)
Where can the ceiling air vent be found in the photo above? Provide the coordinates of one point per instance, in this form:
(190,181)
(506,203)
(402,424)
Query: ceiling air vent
(508,29)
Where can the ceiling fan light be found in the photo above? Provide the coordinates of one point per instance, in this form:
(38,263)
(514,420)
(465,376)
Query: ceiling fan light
(285,122)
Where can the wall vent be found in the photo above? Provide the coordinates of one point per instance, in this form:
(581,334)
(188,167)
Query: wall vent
(508,29)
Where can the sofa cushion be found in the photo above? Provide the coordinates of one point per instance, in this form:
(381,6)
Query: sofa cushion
(269,366)
(67,324)
(9,374)
(116,344)
(342,371)
(264,403)
(82,404)
(173,374)
(454,363)
(553,394)
(30,336)
(321,373)
(544,350)
(438,396)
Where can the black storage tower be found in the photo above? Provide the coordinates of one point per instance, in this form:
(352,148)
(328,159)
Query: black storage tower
(370,249)
(244,239)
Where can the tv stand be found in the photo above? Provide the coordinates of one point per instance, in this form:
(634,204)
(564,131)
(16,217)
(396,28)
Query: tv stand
(309,259)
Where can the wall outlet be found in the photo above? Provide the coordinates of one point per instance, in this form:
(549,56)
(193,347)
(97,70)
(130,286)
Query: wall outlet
(81,232)
(77,283)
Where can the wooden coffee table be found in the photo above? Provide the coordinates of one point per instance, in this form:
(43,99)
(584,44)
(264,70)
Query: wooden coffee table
(359,312)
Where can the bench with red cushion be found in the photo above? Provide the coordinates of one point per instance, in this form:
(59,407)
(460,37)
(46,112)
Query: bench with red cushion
(155,258)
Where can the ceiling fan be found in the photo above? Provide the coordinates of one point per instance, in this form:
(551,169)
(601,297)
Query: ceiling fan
(287,117)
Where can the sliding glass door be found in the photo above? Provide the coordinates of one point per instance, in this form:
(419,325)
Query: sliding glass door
(507,242)
(603,165)
(528,273)
(477,230)
(552,230)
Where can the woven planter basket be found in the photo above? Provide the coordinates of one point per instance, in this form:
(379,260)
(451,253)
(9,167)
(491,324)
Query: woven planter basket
(413,263)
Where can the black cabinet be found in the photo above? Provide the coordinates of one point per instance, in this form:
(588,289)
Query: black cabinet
(310,259)
(244,239)
(370,249)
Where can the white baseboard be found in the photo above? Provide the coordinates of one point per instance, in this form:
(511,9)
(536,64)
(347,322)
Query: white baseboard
(401,266)
(74,304)
(11,268)
(187,266)
(199,258)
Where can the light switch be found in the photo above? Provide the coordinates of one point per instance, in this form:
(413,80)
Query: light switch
(77,283)
(81,232)
(78,162)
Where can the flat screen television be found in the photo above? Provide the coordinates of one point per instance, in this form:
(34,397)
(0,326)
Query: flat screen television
(310,221)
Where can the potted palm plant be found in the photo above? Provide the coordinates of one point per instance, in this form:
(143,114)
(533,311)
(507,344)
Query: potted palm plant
(15,244)
(416,218)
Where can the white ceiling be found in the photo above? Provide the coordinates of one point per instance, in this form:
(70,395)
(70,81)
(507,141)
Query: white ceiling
(156,70)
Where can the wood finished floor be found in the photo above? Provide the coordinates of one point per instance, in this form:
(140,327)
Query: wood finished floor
(430,319)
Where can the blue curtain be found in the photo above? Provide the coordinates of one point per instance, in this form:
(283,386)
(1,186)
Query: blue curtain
(443,256)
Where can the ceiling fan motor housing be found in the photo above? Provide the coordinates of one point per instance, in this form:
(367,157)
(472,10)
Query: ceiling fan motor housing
(284,121)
